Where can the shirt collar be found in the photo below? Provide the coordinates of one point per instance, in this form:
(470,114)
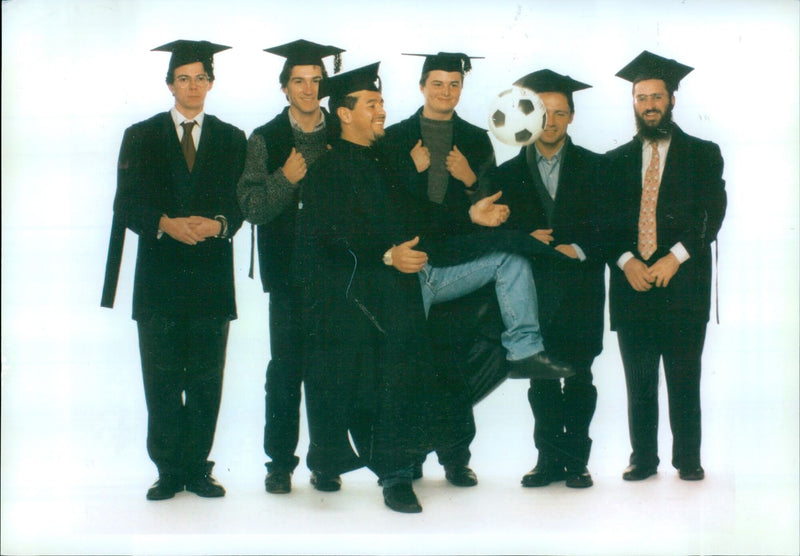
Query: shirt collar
(320,124)
(179,118)
(555,159)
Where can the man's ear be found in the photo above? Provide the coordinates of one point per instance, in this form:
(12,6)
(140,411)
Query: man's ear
(344,114)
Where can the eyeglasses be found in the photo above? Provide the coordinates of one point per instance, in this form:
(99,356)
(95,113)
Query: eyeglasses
(183,81)
(656,97)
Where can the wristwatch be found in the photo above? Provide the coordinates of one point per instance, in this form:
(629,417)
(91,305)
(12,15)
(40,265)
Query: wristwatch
(223,226)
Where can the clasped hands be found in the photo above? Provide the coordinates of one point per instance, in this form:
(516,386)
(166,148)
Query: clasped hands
(642,277)
(190,230)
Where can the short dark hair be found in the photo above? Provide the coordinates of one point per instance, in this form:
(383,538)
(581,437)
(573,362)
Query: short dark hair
(424,77)
(286,72)
(208,66)
(348,101)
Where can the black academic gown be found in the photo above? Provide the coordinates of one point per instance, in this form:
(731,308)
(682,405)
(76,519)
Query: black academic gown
(571,296)
(665,323)
(369,370)
(183,295)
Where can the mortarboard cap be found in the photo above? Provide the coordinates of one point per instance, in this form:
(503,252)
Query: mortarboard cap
(652,66)
(306,53)
(187,52)
(547,81)
(447,61)
(361,79)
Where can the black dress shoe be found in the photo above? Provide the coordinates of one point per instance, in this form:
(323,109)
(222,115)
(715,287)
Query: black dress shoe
(579,479)
(543,475)
(401,498)
(460,475)
(278,481)
(326,483)
(540,366)
(164,488)
(638,472)
(206,486)
(692,474)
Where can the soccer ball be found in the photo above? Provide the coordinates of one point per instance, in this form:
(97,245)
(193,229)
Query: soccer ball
(517,116)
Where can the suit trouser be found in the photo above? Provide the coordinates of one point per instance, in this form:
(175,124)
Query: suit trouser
(182,366)
(562,416)
(680,346)
(284,380)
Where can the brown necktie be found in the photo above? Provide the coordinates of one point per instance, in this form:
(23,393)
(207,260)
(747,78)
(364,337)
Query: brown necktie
(647,210)
(187,144)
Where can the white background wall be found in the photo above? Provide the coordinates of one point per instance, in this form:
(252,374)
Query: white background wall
(75,74)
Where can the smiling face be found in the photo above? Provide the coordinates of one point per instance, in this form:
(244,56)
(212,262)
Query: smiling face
(652,106)
(302,90)
(442,91)
(559,116)
(190,86)
(363,124)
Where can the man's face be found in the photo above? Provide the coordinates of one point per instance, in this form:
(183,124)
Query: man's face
(442,90)
(364,123)
(559,116)
(190,87)
(652,105)
(302,90)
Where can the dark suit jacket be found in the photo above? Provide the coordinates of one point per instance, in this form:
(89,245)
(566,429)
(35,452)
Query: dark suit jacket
(571,296)
(690,209)
(172,278)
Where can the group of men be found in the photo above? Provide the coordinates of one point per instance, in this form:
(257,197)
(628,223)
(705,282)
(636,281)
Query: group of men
(408,274)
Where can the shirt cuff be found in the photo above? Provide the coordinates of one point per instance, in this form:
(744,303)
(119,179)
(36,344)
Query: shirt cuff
(579,251)
(624,258)
(680,252)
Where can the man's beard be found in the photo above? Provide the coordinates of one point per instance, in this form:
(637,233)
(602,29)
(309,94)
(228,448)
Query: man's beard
(657,132)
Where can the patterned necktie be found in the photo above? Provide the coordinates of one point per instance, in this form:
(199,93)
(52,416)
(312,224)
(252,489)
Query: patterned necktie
(647,210)
(187,144)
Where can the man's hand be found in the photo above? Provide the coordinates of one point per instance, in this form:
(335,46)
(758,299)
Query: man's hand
(458,166)
(421,157)
(543,235)
(486,213)
(406,259)
(664,269)
(204,227)
(295,167)
(182,229)
(566,249)
(638,275)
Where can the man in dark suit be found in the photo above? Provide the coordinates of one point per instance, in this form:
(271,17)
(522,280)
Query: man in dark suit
(270,191)
(176,189)
(667,203)
(553,190)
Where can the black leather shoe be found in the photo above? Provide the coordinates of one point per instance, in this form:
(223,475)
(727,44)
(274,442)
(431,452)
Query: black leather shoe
(164,488)
(692,474)
(326,483)
(543,475)
(540,366)
(460,475)
(206,486)
(579,479)
(417,474)
(637,472)
(278,481)
(401,498)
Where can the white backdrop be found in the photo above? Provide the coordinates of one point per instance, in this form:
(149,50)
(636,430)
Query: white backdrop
(74,466)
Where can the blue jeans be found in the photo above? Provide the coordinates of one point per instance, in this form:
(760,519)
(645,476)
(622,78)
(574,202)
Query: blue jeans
(516,295)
